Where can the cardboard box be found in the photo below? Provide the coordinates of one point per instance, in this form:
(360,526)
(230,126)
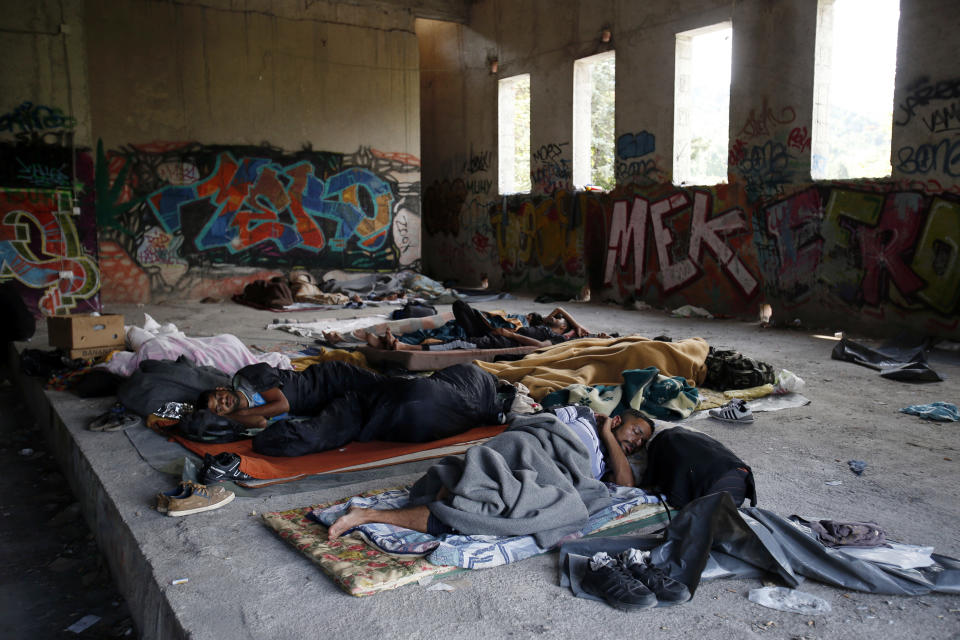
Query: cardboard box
(92,352)
(81,333)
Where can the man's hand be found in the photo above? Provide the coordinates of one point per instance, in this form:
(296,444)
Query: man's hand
(619,468)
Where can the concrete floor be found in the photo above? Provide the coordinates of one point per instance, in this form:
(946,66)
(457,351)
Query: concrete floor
(244,582)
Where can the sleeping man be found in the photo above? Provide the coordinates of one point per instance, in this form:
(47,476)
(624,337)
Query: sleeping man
(332,403)
(542,331)
(542,476)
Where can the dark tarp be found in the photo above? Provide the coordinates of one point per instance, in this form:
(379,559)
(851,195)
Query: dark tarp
(710,538)
(894,361)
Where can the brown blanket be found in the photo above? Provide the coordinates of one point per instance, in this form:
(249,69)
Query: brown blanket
(593,361)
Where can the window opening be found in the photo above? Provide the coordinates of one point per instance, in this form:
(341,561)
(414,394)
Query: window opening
(856,59)
(513,116)
(701,112)
(594,98)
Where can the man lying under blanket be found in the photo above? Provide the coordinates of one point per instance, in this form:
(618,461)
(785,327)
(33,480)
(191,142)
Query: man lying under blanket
(542,477)
(332,403)
(479,333)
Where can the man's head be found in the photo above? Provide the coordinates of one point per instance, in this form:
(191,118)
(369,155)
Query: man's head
(632,431)
(220,401)
(555,324)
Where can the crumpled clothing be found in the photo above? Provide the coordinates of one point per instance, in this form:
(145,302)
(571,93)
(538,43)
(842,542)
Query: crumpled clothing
(857,466)
(940,411)
(847,534)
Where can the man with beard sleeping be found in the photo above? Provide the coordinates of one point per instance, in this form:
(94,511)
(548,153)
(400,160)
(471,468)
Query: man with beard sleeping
(541,477)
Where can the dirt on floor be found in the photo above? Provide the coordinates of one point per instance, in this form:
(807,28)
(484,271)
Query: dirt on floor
(52,576)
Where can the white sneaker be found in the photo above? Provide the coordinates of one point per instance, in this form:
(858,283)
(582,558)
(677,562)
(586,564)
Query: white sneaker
(733,411)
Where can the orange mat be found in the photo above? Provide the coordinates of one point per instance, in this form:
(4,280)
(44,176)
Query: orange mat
(351,457)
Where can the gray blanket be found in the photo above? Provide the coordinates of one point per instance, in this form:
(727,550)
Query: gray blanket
(532,479)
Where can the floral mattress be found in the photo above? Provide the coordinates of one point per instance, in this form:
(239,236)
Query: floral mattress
(378,557)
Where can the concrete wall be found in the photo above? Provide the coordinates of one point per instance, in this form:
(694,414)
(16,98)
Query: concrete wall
(874,255)
(206,143)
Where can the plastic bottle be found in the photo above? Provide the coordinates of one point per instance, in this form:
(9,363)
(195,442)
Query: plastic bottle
(790,600)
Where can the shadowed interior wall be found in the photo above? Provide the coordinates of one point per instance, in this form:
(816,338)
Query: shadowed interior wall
(211,143)
(877,254)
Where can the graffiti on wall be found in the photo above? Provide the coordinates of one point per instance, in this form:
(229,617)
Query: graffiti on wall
(867,248)
(178,209)
(456,214)
(540,241)
(550,169)
(41,249)
(933,108)
(635,160)
(48,242)
(635,220)
(766,152)
(30,123)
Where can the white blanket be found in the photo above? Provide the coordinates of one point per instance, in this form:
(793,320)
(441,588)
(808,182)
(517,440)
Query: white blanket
(155,342)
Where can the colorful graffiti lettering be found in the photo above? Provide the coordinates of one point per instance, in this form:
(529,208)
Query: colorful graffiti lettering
(40,248)
(251,197)
(41,175)
(175,208)
(540,236)
(628,236)
(868,248)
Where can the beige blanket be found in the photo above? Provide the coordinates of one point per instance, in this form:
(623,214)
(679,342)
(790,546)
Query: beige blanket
(593,361)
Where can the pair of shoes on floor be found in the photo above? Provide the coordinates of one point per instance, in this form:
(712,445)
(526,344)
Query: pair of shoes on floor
(224,467)
(631,582)
(115,419)
(733,411)
(189,498)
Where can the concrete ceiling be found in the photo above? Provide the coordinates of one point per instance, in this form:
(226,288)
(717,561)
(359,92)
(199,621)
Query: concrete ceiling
(447,10)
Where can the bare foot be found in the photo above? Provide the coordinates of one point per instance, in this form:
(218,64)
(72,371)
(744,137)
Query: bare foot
(332,337)
(374,341)
(389,341)
(354,518)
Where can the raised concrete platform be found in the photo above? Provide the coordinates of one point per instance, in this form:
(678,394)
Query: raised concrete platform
(244,582)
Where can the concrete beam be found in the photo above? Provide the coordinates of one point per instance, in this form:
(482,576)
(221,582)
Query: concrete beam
(446,10)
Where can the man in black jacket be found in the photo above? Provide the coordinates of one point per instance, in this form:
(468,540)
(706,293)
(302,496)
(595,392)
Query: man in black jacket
(332,403)
(686,464)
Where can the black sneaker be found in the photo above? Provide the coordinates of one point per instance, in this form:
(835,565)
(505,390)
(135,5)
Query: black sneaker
(607,579)
(667,590)
(225,467)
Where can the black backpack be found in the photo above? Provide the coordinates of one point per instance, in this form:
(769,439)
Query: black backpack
(206,426)
(414,310)
(733,370)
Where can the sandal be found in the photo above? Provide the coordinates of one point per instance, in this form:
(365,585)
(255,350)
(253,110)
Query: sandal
(115,419)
